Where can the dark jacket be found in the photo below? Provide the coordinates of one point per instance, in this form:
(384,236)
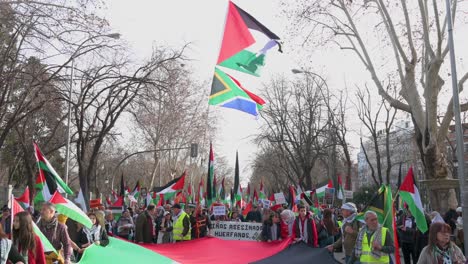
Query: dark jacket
(144,228)
(407,235)
(312,236)
(267,234)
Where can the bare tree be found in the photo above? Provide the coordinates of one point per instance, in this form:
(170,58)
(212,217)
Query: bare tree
(415,33)
(371,121)
(296,123)
(106,90)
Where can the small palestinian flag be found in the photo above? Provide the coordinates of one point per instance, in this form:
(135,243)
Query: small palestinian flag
(23,200)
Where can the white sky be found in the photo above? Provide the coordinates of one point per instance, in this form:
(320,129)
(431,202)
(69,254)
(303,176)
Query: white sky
(144,23)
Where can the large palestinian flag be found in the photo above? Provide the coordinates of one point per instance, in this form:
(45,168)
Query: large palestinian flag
(48,180)
(245,42)
(170,190)
(409,193)
(243,49)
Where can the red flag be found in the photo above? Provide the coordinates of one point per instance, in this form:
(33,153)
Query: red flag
(292,194)
(330,183)
(119,202)
(247,209)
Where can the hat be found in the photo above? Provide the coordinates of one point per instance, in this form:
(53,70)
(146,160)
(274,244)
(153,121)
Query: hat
(177,206)
(349,206)
(459,210)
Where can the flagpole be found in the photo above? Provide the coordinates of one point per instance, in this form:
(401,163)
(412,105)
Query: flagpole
(458,125)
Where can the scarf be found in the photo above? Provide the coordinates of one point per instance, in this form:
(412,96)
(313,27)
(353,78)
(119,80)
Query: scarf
(303,230)
(347,220)
(93,234)
(50,225)
(23,253)
(5,246)
(377,237)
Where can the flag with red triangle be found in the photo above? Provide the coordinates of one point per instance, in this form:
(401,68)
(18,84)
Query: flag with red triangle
(409,193)
(66,207)
(48,180)
(23,200)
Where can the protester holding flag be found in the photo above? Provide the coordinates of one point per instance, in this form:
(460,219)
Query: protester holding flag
(125,226)
(349,231)
(29,245)
(374,243)
(440,249)
(56,233)
(94,235)
(305,227)
(406,225)
(287,224)
(8,251)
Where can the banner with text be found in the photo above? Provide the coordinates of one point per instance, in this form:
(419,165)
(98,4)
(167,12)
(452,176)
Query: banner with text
(237,230)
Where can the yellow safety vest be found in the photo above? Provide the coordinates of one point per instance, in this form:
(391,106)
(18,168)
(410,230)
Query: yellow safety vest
(179,228)
(366,257)
(340,224)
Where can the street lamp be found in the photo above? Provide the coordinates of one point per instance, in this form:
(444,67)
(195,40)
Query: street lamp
(72,69)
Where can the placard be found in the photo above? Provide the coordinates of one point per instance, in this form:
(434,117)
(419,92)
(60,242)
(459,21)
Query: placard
(266,203)
(219,210)
(329,196)
(348,194)
(237,230)
(279,198)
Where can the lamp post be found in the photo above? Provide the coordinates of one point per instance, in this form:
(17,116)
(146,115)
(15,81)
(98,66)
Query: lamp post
(458,126)
(70,89)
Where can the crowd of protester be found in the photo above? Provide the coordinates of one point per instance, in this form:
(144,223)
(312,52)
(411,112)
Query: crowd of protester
(362,240)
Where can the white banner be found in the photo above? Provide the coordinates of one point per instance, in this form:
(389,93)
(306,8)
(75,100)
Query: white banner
(219,210)
(237,230)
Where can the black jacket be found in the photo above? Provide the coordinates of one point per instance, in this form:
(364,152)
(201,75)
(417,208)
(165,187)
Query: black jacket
(267,234)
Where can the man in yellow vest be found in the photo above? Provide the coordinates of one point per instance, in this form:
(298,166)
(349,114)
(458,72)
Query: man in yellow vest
(374,242)
(181,220)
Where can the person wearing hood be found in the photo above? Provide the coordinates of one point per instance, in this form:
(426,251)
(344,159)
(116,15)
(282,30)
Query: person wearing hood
(349,231)
(287,224)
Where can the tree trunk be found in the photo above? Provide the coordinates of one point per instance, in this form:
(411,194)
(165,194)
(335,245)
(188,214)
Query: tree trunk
(436,167)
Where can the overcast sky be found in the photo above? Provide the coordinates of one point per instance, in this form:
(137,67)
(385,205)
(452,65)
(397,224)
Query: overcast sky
(144,23)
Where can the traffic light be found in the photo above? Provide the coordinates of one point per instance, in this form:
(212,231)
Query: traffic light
(194,150)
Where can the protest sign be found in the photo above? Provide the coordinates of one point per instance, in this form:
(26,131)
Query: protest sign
(329,196)
(279,198)
(266,203)
(237,230)
(219,210)
(348,194)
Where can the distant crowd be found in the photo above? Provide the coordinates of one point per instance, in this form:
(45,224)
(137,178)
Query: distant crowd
(363,240)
